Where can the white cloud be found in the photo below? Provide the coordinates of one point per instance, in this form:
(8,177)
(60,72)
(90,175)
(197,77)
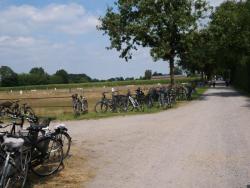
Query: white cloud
(80,27)
(67,18)
(8,41)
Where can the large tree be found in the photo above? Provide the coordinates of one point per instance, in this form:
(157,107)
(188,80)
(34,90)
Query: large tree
(161,25)
(230,28)
(7,77)
(200,53)
(63,75)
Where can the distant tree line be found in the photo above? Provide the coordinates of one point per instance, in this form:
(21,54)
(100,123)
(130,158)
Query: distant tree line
(38,76)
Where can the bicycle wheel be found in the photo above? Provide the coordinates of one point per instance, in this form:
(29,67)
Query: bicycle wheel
(85,106)
(78,108)
(130,106)
(101,107)
(18,179)
(47,156)
(122,106)
(65,141)
(149,102)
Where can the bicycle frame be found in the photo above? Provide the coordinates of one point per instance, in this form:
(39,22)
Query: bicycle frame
(133,102)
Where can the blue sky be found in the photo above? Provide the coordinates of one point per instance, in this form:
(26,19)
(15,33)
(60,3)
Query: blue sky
(59,34)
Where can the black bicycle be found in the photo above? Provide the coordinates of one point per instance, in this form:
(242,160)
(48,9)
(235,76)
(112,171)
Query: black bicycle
(46,150)
(60,132)
(118,103)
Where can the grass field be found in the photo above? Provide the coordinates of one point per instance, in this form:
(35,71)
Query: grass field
(58,103)
(96,84)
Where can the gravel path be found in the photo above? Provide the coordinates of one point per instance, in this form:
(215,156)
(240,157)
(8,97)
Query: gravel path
(205,144)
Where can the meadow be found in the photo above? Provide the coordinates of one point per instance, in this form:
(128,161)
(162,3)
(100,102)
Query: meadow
(56,102)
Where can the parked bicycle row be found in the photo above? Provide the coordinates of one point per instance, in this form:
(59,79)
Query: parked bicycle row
(36,148)
(161,97)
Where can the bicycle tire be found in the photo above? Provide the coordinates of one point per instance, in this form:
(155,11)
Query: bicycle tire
(130,106)
(101,107)
(19,181)
(85,106)
(67,147)
(40,155)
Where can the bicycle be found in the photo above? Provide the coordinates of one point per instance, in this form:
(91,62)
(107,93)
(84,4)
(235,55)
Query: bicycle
(46,150)
(14,163)
(118,103)
(133,104)
(60,132)
(9,108)
(165,99)
(79,104)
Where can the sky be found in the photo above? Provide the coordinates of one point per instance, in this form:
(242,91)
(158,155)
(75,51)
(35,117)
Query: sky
(60,34)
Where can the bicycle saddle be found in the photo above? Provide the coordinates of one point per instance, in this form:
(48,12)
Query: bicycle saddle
(12,143)
(36,127)
(61,127)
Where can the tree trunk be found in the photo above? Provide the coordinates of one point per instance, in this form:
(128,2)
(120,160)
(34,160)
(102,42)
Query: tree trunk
(171,66)
(202,75)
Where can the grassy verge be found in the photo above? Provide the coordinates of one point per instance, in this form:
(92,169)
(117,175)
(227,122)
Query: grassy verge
(93,115)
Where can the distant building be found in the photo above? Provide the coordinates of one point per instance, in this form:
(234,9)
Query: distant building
(166,77)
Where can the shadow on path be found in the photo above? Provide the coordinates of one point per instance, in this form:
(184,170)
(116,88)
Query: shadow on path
(221,92)
(248,103)
(225,92)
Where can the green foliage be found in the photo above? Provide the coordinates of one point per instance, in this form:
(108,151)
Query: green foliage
(37,71)
(63,76)
(79,78)
(230,29)
(7,76)
(200,53)
(223,47)
(242,75)
(159,25)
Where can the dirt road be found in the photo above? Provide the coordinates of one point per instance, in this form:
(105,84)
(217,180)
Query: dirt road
(205,144)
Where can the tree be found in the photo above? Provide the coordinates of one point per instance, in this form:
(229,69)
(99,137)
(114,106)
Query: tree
(37,71)
(148,74)
(79,78)
(159,25)
(230,26)
(37,76)
(8,77)
(199,55)
(63,75)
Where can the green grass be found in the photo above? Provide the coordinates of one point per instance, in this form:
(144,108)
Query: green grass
(93,115)
(97,84)
(199,92)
